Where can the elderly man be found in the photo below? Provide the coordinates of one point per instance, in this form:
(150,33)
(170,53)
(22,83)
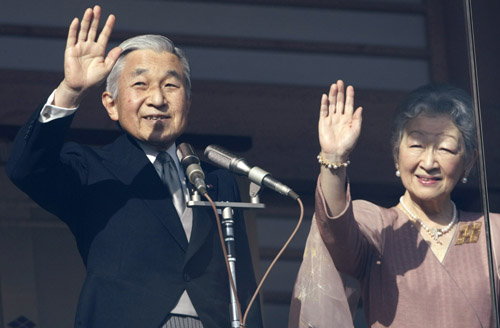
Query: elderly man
(151,262)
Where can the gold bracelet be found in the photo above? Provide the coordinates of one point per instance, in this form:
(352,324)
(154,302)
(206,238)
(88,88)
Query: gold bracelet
(334,166)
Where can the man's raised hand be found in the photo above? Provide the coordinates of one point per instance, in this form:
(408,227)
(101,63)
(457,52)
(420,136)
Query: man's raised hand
(85,63)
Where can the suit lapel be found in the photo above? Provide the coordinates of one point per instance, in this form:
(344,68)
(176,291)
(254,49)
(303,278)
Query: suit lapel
(129,164)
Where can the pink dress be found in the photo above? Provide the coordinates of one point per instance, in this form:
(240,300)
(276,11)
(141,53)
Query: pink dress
(403,284)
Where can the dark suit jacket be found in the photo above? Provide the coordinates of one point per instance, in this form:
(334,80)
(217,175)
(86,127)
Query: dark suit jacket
(128,233)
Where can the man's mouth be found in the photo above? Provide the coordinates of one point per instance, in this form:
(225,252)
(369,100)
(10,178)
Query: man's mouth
(156,117)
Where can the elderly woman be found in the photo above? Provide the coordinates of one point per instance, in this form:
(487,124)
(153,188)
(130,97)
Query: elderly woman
(421,263)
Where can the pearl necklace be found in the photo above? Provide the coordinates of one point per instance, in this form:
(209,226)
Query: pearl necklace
(434,232)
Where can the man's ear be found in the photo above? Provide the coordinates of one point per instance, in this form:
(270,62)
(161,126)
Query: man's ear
(109,103)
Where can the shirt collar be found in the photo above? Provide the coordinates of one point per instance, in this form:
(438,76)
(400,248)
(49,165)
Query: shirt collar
(152,153)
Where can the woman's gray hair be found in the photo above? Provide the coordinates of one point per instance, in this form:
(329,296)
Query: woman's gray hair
(157,43)
(437,100)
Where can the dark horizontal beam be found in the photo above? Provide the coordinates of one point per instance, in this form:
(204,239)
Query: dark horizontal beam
(235,42)
(300,46)
(382,6)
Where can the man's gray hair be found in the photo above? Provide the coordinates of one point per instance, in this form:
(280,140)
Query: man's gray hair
(437,100)
(157,43)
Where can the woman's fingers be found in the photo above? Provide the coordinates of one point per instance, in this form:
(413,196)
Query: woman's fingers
(332,98)
(339,102)
(340,97)
(323,110)
(349,101)
(357,118)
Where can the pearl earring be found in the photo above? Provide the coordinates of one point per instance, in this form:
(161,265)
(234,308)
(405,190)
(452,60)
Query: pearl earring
(398,174)
(464,180)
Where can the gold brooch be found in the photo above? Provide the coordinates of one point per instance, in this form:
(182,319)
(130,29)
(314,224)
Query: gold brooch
(468,233)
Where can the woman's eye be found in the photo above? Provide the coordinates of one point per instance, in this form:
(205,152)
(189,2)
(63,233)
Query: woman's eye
(447,150)
(139,83)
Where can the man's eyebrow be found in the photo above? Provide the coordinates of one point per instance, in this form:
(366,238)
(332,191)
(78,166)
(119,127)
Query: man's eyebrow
(168,73)
(174,73)
(138,72)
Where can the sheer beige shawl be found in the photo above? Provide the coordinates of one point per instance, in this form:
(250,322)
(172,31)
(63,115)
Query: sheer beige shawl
(320,298)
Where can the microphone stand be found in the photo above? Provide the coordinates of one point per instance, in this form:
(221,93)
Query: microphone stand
(229,238)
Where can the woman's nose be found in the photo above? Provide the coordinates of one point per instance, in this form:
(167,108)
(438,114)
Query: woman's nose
(428,160)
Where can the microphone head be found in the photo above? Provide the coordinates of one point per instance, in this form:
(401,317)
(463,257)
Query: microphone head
(219,156)
(223,158)
(186,155)
(191,164)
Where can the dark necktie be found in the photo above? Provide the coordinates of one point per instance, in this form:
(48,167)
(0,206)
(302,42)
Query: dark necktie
(171,179)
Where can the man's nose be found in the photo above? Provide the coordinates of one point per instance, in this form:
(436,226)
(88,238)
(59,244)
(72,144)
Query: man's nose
(156,97)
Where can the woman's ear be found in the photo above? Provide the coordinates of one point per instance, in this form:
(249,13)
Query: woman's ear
(470,164)
(109,103)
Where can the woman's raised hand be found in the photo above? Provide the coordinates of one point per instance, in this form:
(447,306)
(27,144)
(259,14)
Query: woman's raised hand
(339,124)
(85,63)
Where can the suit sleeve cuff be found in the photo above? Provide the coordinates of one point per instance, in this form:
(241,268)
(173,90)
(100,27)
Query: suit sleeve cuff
(50,112)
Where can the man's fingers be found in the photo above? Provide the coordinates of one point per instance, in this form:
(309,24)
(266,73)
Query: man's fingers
(112,57)
(95,24)
(106,31)
(85,24)
(72,32)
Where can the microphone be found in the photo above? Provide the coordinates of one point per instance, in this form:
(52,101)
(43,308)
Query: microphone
(191,164)
(221,157)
